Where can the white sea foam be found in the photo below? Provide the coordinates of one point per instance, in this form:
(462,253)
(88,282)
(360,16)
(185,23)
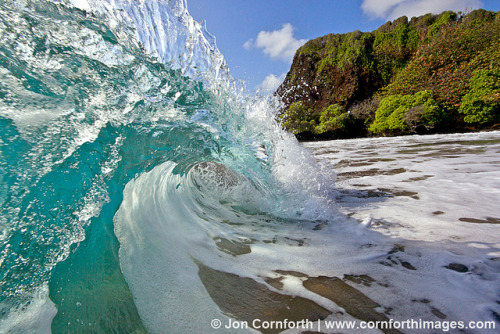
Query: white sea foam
(157,229)
(456,174)
(165,223)
(427,185)
(35,318)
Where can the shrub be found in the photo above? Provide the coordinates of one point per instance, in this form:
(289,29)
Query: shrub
(365,110)
(297,118)
(482,103)
(399,113)
(331,118)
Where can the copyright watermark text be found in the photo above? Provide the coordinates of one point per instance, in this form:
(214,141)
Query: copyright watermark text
(263,324)
(317,326)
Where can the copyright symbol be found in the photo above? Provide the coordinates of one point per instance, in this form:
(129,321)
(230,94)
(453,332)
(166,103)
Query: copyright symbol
(216,323)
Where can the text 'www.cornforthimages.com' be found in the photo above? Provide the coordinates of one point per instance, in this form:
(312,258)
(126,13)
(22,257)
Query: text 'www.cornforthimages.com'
(319,325)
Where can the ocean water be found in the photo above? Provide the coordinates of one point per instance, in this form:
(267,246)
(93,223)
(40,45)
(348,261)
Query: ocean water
(143,190)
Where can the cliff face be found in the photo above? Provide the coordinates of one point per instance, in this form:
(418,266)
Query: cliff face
(338,83)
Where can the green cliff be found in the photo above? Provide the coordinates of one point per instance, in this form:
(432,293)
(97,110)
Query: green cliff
(433,73)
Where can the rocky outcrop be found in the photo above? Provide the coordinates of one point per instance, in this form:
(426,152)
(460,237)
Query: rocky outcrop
(436,54)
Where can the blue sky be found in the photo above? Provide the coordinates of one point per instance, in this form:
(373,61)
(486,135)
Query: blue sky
(259,37)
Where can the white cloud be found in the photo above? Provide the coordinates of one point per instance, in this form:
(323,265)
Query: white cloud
(248,44)
(379,8)
(271,82)
(392,9)
(277,44)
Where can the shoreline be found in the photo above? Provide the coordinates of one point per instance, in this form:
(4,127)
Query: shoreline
(309,137)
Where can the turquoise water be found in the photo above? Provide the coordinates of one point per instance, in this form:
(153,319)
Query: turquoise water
(83,111)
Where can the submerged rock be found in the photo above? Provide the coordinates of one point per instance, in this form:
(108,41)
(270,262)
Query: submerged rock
(350,299)
(246,300)
(457,267)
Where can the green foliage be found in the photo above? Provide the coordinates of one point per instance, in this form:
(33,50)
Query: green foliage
(331,118)
(348,49)
(393,49)
(330,112)
(312,47)
(489,58)
(384,51)
(480,16)
(297,118)
(482,103)
(400,38)
(392,116)
(445,64)
(440,21)
(379,51)
(423,22)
